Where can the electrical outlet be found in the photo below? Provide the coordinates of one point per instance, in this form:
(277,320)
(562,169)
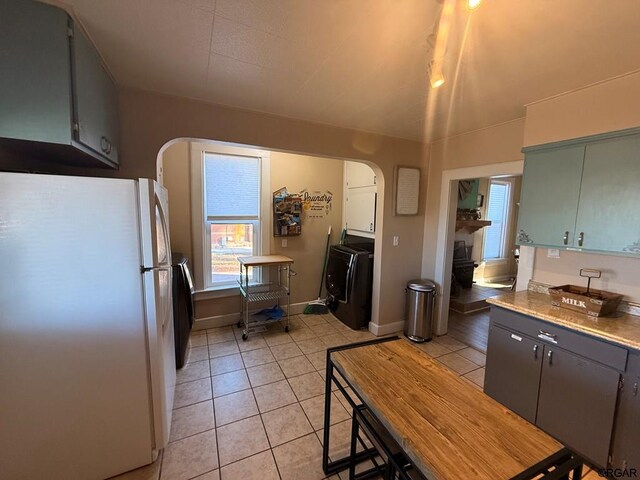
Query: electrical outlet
(553,253)
(396,240)
(284,243)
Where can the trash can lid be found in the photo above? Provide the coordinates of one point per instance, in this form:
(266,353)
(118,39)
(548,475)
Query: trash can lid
(422,285)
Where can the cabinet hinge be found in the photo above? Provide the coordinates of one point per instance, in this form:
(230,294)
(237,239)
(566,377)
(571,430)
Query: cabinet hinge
(635,389)
(621,384)
(69,32)
(374,180)
(76,127)
(610,459)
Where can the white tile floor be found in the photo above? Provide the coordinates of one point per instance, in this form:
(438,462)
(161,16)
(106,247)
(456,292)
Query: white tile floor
(255,409)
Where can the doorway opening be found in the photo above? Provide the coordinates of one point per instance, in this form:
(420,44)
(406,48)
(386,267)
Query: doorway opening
(474,260)
(485,256)
(327,200)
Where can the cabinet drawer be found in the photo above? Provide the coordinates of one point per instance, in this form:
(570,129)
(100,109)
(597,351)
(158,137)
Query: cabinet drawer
(597,350)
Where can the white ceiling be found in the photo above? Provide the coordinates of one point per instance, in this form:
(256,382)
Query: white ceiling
(363,63)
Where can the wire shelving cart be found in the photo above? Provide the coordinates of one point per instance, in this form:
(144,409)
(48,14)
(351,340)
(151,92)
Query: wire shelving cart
(277,288)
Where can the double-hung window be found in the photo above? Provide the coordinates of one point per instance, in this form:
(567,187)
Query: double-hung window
(231,219)
(498,208)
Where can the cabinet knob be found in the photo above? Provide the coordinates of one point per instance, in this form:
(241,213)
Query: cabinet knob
(105,145)
(565,237)
(580,238)
(550,355)
(535,351)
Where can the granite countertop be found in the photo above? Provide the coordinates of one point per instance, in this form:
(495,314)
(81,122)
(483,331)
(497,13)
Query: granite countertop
(620,328)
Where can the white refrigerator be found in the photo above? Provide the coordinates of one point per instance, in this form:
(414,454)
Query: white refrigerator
(87,365)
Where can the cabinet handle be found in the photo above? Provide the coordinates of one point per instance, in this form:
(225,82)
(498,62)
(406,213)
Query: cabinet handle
(565,238)
(580,239)
(549,337)
(550,355)
(105,145)
(535,351)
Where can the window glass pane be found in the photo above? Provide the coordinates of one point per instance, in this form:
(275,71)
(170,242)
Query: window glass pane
(228,242)
(494,235)
(232,186)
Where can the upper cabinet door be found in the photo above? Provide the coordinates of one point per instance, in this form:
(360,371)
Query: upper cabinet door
(96,100)
(360,209)
(35,98)
(359,175)
(549,197)
(608,213)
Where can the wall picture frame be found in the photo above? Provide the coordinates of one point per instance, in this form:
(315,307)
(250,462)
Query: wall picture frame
(407,191)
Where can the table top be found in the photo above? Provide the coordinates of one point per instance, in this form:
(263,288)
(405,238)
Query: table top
(448,428)
(261,260)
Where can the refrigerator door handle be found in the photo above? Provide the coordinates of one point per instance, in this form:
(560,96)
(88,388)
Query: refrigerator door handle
(151,269)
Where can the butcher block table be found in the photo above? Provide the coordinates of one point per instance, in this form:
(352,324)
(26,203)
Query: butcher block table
(447,428)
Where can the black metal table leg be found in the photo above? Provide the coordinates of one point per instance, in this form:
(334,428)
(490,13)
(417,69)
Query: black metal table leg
(342,463)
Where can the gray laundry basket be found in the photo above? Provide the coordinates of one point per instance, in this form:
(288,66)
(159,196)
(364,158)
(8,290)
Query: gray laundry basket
(418,318)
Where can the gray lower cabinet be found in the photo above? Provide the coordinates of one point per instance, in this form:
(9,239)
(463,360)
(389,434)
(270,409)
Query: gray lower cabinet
(577,402)
(512,372)
(625,451)
(569,396)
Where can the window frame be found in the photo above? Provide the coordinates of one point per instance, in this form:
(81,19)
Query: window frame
(509,183)
(201,230)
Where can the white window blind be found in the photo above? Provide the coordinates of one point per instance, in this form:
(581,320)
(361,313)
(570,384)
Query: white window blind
(231,187)
(497,210)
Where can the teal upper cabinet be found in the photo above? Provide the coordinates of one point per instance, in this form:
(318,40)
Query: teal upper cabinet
(95,100)
(609,210)
(583,194)
(57,101)
(35,93)
(549,196)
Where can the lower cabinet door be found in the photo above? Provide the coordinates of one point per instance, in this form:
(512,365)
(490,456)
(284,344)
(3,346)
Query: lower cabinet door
(513,371)
(625,449)
(577,402)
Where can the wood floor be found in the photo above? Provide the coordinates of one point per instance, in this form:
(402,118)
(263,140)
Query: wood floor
(471,329)
(474,298)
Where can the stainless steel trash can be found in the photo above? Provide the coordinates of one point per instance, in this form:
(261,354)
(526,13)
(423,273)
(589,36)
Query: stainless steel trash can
(418,318)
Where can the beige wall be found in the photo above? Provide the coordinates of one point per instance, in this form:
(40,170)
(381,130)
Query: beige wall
(149,121)
(297,172)
(605,107)
(498,144)
(175,166)
(619,274)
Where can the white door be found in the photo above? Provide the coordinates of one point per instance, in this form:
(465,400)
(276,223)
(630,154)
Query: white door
(156,268)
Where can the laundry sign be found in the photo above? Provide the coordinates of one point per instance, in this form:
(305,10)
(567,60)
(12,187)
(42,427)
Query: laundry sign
(316,204)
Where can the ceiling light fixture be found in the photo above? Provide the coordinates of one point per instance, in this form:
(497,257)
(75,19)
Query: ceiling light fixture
(473,4)
(435,74)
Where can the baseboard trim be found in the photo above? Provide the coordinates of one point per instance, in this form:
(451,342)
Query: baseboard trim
(233,318)
(216,321)
(386,329)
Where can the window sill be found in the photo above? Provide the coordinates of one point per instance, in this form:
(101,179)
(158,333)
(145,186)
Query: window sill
(496,261)
(220,292)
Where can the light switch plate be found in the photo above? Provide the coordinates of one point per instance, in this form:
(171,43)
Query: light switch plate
(396,240)
(284,243)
